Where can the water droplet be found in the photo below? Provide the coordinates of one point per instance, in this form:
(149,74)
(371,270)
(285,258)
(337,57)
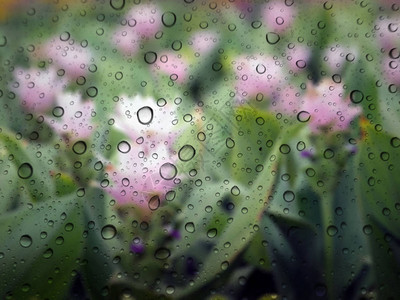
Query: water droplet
(272,38)
(235,191)
(186,153)
(92,91)
(117,4)
(189,227)
(108,232)
(162,253)
(168,171)
(170,290)
(303,116)
(288,196)
(69,227)
(145,115)
(48,253)
(79,147)
(212,233)
(58,111)
(25,241)
(395,142)
(332,230)
(124,147)
(356,96)
(168,19)
(284,149)
(367,229)
(150,57)
(329,153)
(224,265)
(25,171)
(154,202)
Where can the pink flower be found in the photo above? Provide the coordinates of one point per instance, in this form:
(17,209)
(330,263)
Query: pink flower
(286,101)
(388,32)
(278,16)
(127,41)
(203,42)
(144,19)
(327,108)
(257,75)
(142,179)
(68,55)
(173,65)
(391,69)
(72,117)
(141,22)
(37,89)
(145,123)
(298,57)
(335,57)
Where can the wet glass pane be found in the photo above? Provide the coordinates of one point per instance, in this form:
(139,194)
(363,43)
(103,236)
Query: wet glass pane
(227,149)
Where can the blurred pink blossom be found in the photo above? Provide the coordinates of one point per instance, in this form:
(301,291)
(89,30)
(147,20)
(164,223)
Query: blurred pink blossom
(173,65)
(37,89)
(138,177)
(126,40)
(67,55)
(72,118)
(145,123)
(298,57)
(388,32)
(203,42)
(141,22)
(286,101)
(335,57)
(257,75)
(327,108)
(391,69)
(278,16)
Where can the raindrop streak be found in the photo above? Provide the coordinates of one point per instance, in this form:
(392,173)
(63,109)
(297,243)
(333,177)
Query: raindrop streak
(154,202)
(108,232)
(25,171)
(25,241)
(168,171)
(145,115)
(162,253)
(272,38)
(186,153)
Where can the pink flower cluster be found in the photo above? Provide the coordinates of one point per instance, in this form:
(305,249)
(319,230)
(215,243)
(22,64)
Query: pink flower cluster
(145,167)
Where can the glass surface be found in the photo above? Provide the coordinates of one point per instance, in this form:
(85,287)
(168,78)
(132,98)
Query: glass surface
(226,149)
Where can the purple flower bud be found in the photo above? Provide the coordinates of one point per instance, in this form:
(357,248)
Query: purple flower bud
(307,154)
(137,247)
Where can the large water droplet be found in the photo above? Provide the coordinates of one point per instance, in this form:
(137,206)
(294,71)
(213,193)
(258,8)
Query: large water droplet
(25,241)
(108,232)
(186,153)
(145,115)
(168,171)
(162,253)
(25,171)
(189,227)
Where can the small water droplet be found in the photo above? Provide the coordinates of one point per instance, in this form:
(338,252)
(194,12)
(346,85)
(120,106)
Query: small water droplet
(186,153)
(25,241)
(25,171)
(145,115)
(108,232)
(189,227)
